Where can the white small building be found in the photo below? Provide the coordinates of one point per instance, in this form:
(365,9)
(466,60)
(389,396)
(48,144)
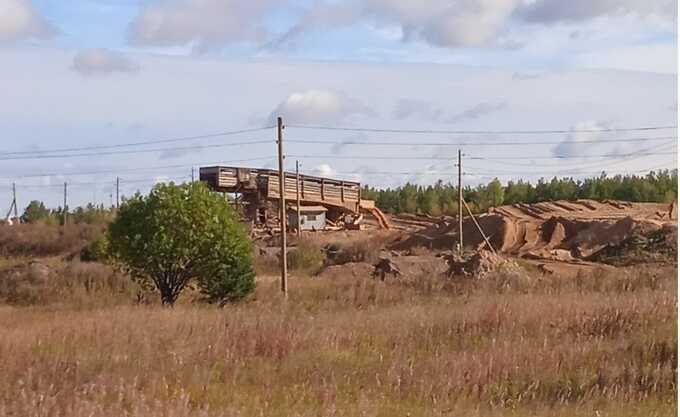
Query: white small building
(311,217)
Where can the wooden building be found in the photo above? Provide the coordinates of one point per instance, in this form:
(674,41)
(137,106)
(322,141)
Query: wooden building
(311,218)
(259,190)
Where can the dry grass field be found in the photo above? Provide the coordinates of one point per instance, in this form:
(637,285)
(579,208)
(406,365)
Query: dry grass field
(511,345)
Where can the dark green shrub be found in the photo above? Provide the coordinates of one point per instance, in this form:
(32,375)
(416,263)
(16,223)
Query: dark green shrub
(182,234)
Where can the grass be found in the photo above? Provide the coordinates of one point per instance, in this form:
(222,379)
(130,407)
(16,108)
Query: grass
(43,239)
(509,345)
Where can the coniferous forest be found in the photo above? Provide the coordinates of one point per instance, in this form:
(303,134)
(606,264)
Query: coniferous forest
(442,198)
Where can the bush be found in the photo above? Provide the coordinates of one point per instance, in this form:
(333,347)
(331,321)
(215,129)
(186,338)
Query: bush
(306,258)
(364,250)
(73,283)
(38,239)
(34,212)
(182,234)
(96,251)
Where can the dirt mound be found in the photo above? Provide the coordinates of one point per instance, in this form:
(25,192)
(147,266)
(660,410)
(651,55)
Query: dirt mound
(558,230)
(478,265)
(654,246)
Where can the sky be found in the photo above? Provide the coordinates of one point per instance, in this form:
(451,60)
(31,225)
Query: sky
(526,88)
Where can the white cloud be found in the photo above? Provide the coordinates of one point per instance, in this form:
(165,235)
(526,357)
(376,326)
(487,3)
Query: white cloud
(580,143)
(575,10)
(19,21)
(102,61)
(467,23)
(317,106)
(202,24)
(323,170)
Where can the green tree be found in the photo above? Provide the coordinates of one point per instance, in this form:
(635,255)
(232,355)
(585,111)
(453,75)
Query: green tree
(180,235)
(34,212)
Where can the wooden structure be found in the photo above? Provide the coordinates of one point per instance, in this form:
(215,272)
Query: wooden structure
(260,191)
(311,217)
(265,184)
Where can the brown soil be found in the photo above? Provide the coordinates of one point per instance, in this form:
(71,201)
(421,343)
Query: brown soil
(558,231)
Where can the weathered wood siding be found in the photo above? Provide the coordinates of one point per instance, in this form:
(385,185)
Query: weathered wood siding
(346,194)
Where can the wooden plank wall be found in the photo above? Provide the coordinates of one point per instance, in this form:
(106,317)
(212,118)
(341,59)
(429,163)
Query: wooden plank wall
(315,190)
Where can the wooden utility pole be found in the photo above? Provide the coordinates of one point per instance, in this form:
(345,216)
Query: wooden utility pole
(65,202)
(460,202)
(192,174)
(297,193)
(13,206)
(117,192)
(14,200)
(282,210)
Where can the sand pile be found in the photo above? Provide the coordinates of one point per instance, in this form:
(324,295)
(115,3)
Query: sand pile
(558,230)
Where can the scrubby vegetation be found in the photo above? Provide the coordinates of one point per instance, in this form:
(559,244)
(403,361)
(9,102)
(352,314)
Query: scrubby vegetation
(306,257)
(601,345)
(441,198)
(44,239)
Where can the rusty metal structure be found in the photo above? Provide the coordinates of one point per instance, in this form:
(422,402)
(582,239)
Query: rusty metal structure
(259,191)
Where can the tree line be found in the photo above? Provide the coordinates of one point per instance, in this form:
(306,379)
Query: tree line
(442,198)
(36,211)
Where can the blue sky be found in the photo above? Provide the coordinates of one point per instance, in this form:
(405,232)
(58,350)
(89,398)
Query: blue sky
(79,73)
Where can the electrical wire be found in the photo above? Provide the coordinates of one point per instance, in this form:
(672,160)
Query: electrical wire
(122,181)
(478,158)
(603,141)
(150,142)
(183,148)
(119,170)
(480,132)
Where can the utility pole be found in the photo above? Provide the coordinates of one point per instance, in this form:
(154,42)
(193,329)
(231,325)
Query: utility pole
(14,200)
(282,211)
(117,192)
(13,206)
(65,201)
(460,202)
(297,192)
(192,174)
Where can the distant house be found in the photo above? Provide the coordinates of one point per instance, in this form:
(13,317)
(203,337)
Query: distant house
(311,217)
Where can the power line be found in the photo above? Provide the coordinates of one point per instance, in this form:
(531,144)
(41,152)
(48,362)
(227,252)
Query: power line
(112,184)
(149,142)
(480,132)
(321,142)
(640,153)
(476,173)
(480,158)
(182,148)
(119,170)
(438,158)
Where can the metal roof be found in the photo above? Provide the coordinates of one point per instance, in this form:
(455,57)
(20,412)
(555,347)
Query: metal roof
(308,209)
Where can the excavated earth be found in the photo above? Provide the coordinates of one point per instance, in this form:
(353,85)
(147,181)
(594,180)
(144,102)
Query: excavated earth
(553,234)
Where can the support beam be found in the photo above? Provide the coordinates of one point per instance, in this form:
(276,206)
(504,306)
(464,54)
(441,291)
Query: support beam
(282,211)
(460,202)
(486,239)
(297,193)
